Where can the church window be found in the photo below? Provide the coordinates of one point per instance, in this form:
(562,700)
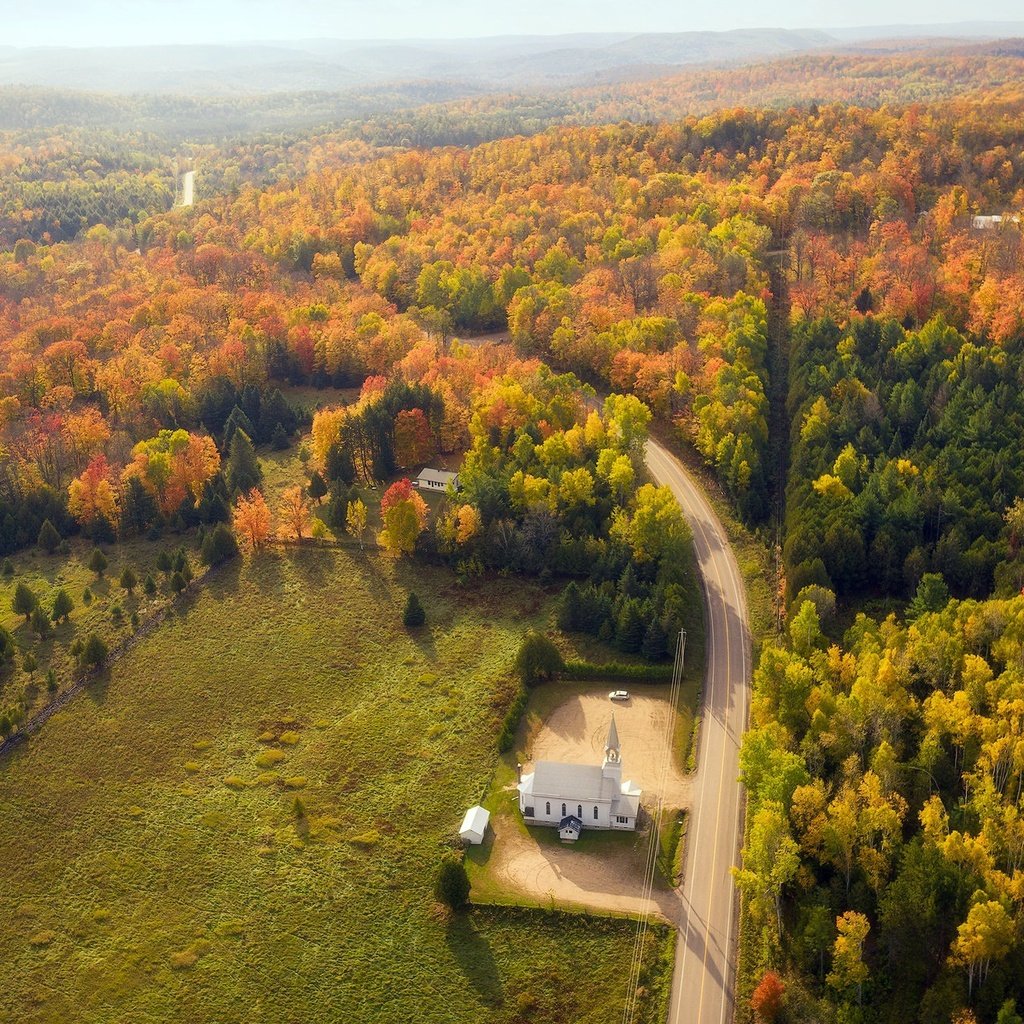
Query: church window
(547,808)
(563,810)
(528,812)
(579,811)
(595,812)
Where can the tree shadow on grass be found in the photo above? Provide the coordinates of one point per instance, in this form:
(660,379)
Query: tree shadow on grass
(473,954)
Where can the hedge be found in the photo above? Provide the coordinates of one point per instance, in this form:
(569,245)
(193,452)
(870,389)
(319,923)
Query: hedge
(616,671)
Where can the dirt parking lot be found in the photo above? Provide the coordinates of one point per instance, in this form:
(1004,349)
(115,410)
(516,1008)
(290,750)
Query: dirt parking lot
(605,870)
(576,730)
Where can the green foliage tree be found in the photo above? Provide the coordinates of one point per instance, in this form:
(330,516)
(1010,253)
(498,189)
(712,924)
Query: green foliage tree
(219,546)
(932,595)
(317,487)
(98,562)
(49,538)
(452,884)
(62,605)
(538,659)
(129,581)
(94,651)
(413,615)
(243,471)
(23,601)
(40,622)
(29,664)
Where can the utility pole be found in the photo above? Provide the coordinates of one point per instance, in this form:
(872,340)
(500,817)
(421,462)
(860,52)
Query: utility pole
(682,649)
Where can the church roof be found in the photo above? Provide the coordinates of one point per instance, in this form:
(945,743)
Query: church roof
(570,782)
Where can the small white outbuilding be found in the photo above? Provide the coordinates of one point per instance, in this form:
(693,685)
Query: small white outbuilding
(474,825)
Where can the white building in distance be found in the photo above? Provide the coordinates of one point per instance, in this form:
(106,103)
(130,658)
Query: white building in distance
(595,795)
(436,480)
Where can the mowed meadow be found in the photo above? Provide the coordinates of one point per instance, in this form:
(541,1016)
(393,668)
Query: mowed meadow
(154,862)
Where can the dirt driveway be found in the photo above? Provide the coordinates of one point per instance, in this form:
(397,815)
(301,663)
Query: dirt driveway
(603,871)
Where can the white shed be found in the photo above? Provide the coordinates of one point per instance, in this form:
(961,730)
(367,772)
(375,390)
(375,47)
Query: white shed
(474,825)
(436,479)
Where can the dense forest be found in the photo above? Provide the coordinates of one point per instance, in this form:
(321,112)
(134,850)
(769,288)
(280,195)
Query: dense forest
(803,295)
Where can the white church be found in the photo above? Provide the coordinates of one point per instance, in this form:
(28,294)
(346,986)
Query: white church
(571,797)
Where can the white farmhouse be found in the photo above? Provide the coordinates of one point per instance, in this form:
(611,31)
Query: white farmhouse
(436,480)
(595,795)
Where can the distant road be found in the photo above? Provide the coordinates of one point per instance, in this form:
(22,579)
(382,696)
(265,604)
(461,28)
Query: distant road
(704,983)
(187,183)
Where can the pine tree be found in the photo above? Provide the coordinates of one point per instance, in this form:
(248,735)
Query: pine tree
(94,651)
(243,469)
(569,609)
(98,562)
(279,439)
(178,583)
(24,601)
(414,615)
(317,487)
(630,627)
(49,538)
(452,885)
(164,563)
(219,546)
(62,605)
(40,621)
(29,664)
(149,585)
(655,639)
(129,581)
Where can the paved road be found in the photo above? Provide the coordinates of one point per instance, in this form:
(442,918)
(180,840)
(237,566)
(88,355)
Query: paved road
(703,987)
(187,185)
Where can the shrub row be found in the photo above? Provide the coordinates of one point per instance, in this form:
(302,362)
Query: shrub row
(616,671)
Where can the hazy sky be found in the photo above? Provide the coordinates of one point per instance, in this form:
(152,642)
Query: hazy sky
(116,22)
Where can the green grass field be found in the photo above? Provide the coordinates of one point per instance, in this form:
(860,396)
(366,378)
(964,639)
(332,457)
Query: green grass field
(154,867)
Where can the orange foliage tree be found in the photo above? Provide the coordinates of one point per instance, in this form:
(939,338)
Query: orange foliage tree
(251,519)
(294,511)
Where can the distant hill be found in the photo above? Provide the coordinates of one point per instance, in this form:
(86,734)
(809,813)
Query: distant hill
(331,65)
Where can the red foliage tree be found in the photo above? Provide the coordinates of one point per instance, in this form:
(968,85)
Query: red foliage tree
(766,1001)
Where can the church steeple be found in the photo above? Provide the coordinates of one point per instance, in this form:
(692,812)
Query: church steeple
(612,764)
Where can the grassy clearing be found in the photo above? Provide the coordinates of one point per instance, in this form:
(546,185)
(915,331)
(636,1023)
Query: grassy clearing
(45,574)
(154,862)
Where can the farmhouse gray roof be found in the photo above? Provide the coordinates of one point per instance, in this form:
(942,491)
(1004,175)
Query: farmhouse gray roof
(438,476)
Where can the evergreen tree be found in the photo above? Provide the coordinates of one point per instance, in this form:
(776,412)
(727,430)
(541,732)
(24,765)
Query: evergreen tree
(163,563)
(101,531)
(317,487)
(23,602)
(138,509)
(452,885)
(129,581)
(538,659)
(8,567)
(655,639)
(49,538)
(214,506)
(29,664)
(237,420)
(219,546)
(279,439)
(630,628)
(7,648)
(62,605)
(178,582)
(98,562)
(414,615)
(243,469)
(149,585)
(40,621)
(94,651)
(569,609)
